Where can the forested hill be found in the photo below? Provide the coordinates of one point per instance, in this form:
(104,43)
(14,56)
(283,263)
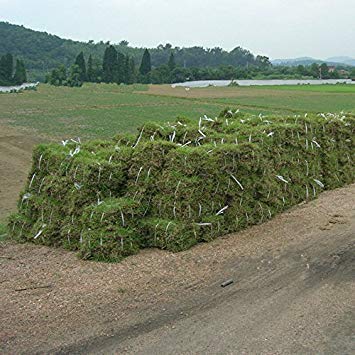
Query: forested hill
(42,52)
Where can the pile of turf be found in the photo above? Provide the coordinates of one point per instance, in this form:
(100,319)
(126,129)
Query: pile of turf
(176,185)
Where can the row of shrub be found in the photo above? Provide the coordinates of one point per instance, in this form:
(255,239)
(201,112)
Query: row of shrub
(175,185)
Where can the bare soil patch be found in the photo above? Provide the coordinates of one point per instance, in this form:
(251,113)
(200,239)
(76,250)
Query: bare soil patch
(15,161)
(217,92)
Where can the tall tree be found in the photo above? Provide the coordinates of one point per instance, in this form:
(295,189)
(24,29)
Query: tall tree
(109,64)
(80,62)
(323,71)
(6,68)
(314,69)
(127,70)
(57,76)
(132,71)
(301,70)
(146,65)
(2,74)
(20,76)
(120,74)
(90,74)
(74,76)
(263,61)
(171,62)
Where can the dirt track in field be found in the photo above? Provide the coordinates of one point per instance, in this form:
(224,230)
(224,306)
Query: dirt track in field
(292,292)
(220,93)
(15,161)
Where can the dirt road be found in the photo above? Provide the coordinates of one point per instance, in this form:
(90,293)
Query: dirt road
(15,160)
(293,292)
(297,302)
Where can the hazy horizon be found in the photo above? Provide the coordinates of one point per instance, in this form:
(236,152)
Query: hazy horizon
(276,28)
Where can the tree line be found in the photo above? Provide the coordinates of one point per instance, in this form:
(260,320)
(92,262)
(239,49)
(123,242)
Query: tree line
(12,73)
(114,68)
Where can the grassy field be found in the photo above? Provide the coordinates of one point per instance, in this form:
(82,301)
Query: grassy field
(339,88)
(101,110)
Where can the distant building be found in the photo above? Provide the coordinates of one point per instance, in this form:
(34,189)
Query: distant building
(331,69)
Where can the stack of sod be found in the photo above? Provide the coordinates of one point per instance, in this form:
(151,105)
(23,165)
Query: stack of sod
(176,185)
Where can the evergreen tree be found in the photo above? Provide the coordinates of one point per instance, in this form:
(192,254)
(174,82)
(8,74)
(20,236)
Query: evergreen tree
(90,72)
(171,62)
(98,73)
(323,71)
(2,74)
(20,76)
(146,65)
(109,64)
(74,78)
(132,72)
(6,68)
(57,76)
(160,75)
(80,62)
(127,69)
(120,74)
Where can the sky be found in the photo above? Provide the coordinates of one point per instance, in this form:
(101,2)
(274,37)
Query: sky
(276,28)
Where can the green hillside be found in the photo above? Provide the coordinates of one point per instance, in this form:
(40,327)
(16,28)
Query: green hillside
(42,52)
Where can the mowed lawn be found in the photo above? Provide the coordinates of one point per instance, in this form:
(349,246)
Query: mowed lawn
(102,110)
(272,99)
(302,98)
(94,110)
